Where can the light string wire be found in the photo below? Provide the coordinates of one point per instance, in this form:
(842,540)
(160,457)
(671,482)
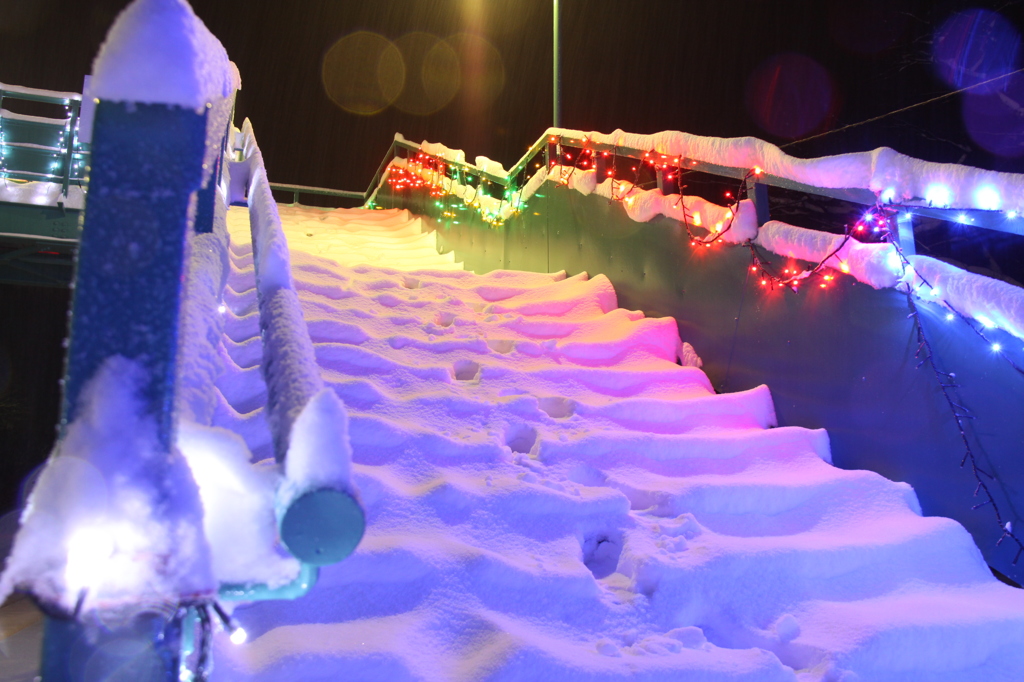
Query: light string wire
(901,110)
(925,354)
(205,611)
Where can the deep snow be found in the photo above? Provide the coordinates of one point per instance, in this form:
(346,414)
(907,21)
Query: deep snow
(550,495)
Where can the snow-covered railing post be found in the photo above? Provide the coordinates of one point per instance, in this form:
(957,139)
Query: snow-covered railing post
(112,543)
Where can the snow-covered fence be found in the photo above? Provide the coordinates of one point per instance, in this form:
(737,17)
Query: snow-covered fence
(910,187)
(970,196)
(321,521)
(39,148)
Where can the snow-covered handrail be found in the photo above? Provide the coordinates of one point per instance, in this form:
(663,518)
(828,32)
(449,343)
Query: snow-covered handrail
(952,192)
(990,302)
(321,522)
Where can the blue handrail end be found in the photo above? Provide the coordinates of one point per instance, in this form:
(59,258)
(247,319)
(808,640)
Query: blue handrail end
(322,526)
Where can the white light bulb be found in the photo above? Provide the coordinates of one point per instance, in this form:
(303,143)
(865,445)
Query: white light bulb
(987,198)
(239,636)
(938,195)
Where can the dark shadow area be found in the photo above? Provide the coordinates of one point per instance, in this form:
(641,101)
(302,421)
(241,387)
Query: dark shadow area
(33,325)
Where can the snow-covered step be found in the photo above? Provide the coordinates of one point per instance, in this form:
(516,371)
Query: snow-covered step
(550,495)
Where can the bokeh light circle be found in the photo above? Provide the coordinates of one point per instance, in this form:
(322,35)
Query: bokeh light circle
(790,95)
(483,69)
(996,121)
(433,73)
(974,46)
(363,73)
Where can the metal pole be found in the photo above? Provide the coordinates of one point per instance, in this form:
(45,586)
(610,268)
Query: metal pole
(556,68)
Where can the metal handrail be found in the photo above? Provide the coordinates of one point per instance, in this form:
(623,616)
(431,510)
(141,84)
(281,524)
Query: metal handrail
(990,219)
(34,157)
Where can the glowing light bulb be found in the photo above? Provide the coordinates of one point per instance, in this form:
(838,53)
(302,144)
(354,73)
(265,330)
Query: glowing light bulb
(949,317)
(938,195)
(987,198)
(888,195)
(844,267)
(238,636)
(222,309)
(997,347)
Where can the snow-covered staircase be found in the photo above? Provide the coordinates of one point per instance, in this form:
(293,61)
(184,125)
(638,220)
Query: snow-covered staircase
(554,491)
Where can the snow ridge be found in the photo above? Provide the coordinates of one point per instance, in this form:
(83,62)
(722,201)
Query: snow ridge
(549,494)
(884,171)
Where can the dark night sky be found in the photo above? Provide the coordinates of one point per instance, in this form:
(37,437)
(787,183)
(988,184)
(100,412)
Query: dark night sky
(642,66)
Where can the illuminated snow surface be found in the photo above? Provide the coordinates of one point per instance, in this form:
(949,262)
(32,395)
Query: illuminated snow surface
(551,496)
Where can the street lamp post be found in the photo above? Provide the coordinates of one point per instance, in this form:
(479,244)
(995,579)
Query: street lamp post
(557,76)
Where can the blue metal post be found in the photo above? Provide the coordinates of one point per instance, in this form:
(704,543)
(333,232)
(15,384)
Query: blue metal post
(551,155)
(147,168)
(146,165)
(668,180)
(905,233)
(603,166)
(758,193)
(556,69)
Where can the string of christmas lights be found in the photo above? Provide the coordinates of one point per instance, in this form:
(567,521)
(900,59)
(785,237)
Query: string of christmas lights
(403,178)
(673,171)
(203,613)
(946,380)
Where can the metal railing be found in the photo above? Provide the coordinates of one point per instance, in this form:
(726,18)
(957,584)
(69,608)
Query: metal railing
(38,148)
(554,143)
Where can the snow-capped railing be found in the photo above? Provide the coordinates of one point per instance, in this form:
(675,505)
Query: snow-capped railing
(857,178)
(320,520)
(951,192)
(37,148)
